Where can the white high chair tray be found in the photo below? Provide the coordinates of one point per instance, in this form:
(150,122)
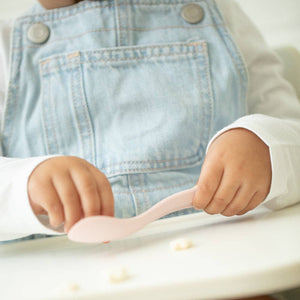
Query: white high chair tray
(253,254)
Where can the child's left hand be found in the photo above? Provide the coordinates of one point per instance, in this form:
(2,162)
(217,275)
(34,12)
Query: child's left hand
(236,174)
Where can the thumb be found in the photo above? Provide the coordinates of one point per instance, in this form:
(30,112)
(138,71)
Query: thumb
(208,183)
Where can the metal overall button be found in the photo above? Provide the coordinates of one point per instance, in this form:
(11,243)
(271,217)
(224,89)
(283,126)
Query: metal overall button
(192,13)
(38,33)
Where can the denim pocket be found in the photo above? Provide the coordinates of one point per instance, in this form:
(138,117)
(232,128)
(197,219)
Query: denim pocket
(129,109)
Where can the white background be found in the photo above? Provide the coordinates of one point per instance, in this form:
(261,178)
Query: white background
(279,20)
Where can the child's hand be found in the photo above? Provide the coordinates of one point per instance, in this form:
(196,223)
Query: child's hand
(236,174)
(69,188)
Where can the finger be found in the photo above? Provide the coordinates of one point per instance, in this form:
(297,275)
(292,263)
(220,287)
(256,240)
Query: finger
(50,202)
(105,192)
(256,199)
(36,191)
(239,202)
(69,198)
(37,209)
(224,194)
(87,190)
(209,180)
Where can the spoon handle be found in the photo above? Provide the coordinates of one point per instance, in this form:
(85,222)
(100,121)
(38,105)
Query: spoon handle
(175,202)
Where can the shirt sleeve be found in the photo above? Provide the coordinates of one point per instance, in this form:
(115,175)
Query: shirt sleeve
(17,219)
(16,216)
(273,107)
(5,28)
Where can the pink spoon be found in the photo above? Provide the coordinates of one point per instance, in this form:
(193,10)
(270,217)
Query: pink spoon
(99,229)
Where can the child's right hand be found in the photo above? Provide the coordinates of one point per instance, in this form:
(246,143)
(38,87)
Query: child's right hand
(68,188)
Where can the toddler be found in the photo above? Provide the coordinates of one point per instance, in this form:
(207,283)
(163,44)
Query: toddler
(110,106)
(107,107)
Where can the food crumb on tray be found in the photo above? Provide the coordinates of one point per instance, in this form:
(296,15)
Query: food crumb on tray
(181,244)
(118,275)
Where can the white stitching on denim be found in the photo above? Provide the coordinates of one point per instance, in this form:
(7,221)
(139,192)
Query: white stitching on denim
(52,116)
(83,111)
(128,17)
(132,192)
(114,29)
(17,92)
(225,39)
(8,94)
(118,19)
(202,98)
(152,161)
(43,117)
(65,9)
(157,189)
(88,118)
(145,196)
(43,91)
(73,73)
(172,27)
(131,48)
(183,166)
(209,90)
(14,108)
(45,70)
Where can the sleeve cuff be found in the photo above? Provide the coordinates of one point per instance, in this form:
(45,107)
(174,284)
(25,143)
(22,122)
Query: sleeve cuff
(17,217)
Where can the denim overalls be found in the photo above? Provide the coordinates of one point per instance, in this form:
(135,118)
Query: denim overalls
(129,85)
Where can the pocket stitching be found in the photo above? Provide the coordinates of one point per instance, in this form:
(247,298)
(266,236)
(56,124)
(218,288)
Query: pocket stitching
(193,52)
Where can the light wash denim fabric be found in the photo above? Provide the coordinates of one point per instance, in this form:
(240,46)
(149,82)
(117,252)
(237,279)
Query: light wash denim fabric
(130,86)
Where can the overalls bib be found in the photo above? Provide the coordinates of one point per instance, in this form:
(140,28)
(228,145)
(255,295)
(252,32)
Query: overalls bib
(132,86)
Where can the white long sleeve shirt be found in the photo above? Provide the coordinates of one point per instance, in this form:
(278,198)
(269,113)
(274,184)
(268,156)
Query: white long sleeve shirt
(274,115)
